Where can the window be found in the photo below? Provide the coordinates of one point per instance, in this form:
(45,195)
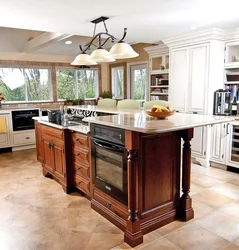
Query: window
(25,84)
(77,84)
(118,80)
(138,81)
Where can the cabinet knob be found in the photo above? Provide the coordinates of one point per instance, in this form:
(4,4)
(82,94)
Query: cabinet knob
(79,168)
(28,137)
(77,139)
(108,204)
(79,182)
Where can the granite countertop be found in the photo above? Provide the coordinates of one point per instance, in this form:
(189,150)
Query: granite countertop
(69,125)
(138,120)
(141,122)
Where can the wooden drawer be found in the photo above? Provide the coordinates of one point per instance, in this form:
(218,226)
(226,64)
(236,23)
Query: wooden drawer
(79,139)
(110,203)
(81,169)
(54,132)
(81,183)
(81,155)
(24,138)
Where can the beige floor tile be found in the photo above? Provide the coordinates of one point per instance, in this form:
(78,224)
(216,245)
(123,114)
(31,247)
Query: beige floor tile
(231,209)
(231,247)
(194,189)
(101,241)
(162,244)
(212,198)
(173,226)
(220,174)
(228,190)
(223,225)
(236,242)
(205,181)
(234,181)
(200,209)
(195,237)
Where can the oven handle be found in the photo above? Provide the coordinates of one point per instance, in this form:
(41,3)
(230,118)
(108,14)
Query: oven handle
(108,146)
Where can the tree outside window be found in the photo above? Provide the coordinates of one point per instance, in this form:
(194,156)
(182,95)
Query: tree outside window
(77,84)
(25,84)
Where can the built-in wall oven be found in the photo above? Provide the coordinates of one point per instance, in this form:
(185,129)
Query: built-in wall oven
(109,161)
(22,119)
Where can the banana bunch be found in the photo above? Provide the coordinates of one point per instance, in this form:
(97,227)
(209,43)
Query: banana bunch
(159,108)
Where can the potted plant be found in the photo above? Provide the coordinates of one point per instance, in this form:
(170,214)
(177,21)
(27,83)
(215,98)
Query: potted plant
(106,94)
(2,98)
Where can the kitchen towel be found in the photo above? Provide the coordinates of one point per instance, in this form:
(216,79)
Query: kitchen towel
(3,125)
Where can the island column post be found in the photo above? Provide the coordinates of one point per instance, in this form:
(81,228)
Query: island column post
(185,206)
(133,234)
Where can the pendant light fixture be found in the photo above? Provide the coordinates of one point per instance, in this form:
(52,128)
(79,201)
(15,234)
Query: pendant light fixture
(121,50)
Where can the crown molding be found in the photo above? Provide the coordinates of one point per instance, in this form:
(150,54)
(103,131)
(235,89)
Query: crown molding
(195,37)
(232,35)
(157,49)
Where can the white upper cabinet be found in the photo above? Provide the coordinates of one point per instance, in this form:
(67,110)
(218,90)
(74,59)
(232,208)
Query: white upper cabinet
(189,78)
(178,78)
(198,78)
(195,71)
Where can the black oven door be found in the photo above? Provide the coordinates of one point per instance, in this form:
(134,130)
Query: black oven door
(109,168)
(22,119)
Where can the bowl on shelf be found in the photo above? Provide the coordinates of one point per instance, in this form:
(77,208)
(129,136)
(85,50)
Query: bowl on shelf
(160,115)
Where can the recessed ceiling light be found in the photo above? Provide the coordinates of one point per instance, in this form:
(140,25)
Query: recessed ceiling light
(68,42)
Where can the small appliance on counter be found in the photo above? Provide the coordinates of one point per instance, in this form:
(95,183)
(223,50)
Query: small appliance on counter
(222,104)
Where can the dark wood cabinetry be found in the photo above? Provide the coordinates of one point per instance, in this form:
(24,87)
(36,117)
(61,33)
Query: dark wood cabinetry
(153,185)
(52,151)
(81,162)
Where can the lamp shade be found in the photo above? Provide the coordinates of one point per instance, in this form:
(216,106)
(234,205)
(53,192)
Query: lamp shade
(101,55)
(122,51)
(83,59)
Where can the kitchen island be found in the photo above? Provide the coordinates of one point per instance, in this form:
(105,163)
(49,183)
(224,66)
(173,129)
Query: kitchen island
(154,167)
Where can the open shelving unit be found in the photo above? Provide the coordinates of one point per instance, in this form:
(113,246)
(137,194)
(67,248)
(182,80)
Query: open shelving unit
(158,72)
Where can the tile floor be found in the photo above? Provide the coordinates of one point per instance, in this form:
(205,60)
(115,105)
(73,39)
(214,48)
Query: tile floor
(35,213)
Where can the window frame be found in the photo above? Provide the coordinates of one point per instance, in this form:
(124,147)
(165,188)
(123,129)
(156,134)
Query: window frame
(119,65)
(32,67)
(76,83)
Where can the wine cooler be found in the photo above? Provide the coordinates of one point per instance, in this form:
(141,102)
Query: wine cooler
(234,156)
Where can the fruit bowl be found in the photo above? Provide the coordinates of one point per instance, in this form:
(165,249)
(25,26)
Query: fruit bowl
(160,115)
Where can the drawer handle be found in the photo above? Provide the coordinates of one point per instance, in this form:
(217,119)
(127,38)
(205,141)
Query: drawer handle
(108,204)
(79,182)
(77,139)
(79,168)
(78,154)
(28,137)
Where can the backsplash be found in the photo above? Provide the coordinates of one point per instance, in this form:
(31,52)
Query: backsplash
(42,106)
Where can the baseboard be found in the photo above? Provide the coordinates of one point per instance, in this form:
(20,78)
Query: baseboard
(23,147)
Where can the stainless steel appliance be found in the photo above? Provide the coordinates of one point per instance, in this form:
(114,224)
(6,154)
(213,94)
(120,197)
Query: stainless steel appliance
(222,105)
(22,119)
(109,161)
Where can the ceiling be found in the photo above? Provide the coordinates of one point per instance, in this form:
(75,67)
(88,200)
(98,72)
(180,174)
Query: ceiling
(147,21)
